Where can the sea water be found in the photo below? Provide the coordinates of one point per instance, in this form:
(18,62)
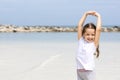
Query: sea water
(53,37)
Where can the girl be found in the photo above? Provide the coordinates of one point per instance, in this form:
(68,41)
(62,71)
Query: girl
(88,37)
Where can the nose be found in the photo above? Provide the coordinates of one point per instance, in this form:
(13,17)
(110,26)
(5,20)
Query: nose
(90,36)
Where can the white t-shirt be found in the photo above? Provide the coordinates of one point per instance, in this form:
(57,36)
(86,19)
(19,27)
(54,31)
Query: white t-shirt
(85,55)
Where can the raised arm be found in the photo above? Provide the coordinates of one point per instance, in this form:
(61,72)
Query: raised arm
(98,29)
(80,25)
(81,22)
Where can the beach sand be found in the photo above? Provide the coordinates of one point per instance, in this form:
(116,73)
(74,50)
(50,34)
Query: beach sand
(54,61)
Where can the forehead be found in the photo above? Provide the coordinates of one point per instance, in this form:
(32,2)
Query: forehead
(88,30)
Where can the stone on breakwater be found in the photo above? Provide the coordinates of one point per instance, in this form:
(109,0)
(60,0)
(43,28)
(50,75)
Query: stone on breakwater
(13,28)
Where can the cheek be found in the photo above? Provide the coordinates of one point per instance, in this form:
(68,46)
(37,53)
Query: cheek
(93,36)
(86,37)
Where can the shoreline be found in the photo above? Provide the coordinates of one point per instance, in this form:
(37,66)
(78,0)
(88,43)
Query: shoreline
(14,29)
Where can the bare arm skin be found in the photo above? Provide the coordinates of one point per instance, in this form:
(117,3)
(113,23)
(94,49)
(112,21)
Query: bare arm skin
(80,25)
(82,20)
(98,29)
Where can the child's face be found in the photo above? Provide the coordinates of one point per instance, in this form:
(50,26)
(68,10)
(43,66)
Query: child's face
(89,35)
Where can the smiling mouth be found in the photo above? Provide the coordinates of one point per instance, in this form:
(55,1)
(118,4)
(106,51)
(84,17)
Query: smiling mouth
(90,39)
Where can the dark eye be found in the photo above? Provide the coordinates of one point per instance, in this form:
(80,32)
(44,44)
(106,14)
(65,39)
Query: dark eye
(93,34)
(87,34)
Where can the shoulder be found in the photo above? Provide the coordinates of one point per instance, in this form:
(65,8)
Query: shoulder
(81,39)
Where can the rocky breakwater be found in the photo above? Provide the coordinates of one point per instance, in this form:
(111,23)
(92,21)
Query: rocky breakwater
(13,28)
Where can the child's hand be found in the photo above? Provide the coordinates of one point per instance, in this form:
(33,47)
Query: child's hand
(96,14)
(90,13)
(93,13)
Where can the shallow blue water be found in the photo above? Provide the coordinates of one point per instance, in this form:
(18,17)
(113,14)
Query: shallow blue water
(54,37)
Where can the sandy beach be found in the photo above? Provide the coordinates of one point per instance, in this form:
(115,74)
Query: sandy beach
(54,61)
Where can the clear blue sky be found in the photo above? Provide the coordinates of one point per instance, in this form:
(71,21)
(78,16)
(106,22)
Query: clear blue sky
(57,12)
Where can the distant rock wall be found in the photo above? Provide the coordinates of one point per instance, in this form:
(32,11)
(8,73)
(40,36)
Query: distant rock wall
(13,28)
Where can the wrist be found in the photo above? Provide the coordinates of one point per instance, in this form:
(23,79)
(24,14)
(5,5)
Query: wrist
(99,16)
(85,13)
